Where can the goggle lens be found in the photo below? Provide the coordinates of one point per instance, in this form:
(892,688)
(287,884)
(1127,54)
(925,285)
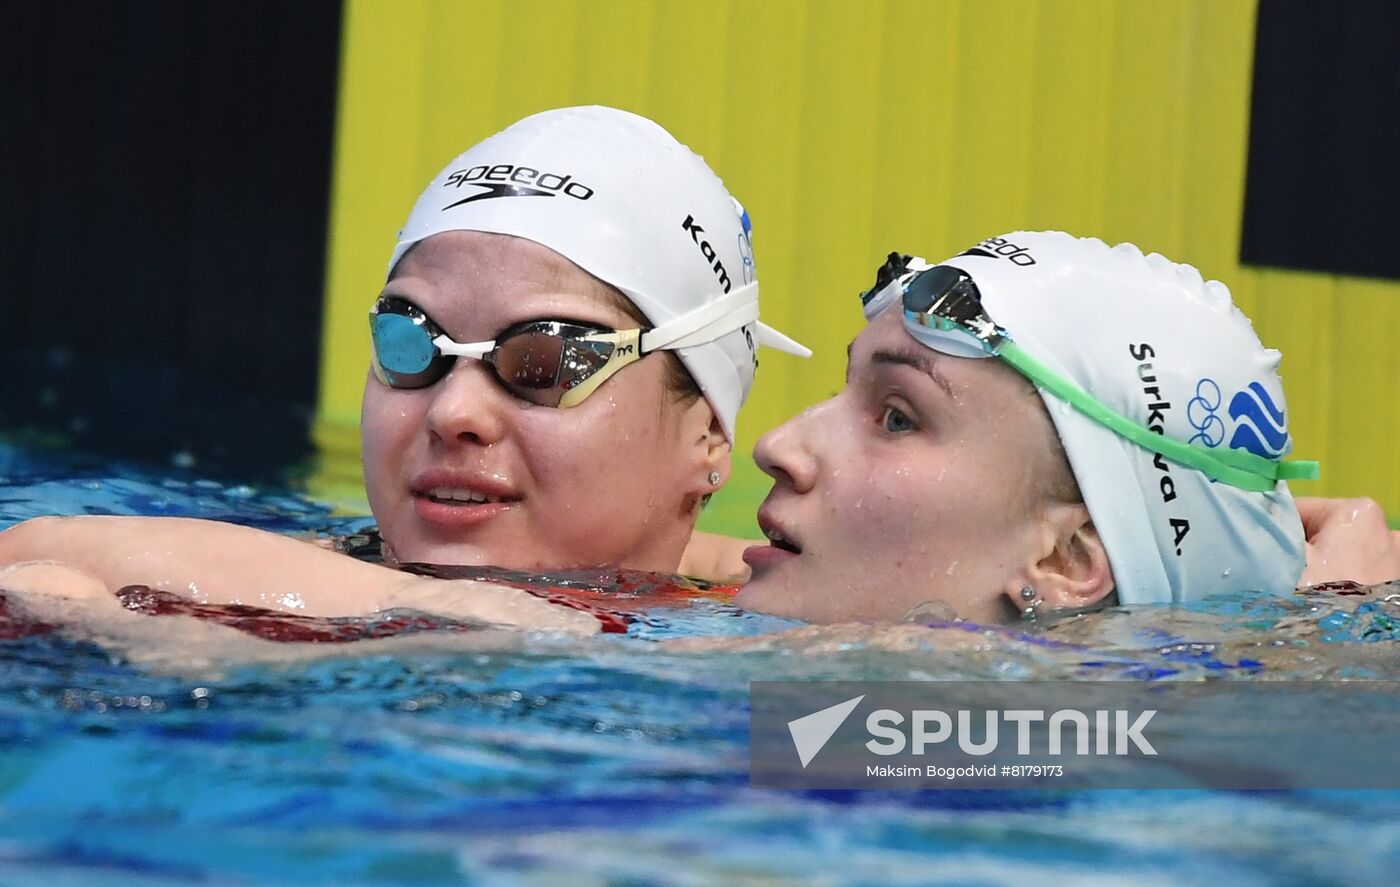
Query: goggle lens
(541,367)
(402,346)
(529,360)
(949,295)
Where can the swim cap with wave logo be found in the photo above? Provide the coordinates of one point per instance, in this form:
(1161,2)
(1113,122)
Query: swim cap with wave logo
(1155,342)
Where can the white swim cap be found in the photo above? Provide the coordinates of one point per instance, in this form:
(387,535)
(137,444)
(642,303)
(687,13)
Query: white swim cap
(1156,343)
(618,196)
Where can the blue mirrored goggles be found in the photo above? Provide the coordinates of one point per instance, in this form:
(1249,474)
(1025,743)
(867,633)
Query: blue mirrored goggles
(551,363)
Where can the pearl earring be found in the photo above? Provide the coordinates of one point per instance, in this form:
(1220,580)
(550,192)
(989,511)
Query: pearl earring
(1028,595)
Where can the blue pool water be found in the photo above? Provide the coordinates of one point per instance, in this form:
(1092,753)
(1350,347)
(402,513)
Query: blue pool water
(616,760)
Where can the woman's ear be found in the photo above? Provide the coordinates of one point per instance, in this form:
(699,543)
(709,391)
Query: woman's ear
(1069,567)
(708,448)
(717,452)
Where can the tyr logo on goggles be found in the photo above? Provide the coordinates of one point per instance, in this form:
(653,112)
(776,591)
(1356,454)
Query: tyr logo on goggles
(943,310)
(547,362)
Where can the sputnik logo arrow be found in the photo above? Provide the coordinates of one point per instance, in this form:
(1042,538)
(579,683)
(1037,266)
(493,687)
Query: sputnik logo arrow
(810,733)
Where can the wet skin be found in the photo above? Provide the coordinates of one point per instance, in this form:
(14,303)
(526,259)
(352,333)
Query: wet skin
(915,483)
(615,480)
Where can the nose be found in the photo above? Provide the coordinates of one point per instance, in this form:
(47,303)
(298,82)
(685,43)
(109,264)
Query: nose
(786,453)
(468,405)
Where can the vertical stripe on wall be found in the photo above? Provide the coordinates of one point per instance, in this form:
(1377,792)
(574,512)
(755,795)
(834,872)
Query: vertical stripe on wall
(167,179)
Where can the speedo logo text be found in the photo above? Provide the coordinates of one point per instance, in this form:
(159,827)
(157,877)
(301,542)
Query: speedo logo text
(1001,248)
(509,180)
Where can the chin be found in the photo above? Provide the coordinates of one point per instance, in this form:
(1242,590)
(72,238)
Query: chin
(455,554)
(764,596)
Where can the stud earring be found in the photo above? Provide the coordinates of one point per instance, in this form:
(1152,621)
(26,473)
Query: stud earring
(714,478)
(1028,595)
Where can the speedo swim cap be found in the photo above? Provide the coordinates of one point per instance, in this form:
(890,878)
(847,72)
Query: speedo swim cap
(618,196)
(1152,340)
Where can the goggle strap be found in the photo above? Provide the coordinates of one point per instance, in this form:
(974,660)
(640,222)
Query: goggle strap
(706,323)
(770,338)
(1234,467)
(890,281)
(1299,469)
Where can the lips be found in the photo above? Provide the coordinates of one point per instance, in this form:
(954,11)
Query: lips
(458,496)
(456,499)
(782,544)
(779,534)
(778,540)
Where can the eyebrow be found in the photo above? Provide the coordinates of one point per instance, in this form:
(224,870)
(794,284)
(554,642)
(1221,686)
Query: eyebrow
(923,362)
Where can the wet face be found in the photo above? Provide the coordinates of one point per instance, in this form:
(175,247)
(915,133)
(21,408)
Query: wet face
(462,472)
(918,482)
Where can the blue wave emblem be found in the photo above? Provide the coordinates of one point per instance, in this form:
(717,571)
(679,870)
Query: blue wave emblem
(1260,429)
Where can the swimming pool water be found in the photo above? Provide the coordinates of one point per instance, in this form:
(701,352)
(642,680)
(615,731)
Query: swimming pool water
(616,760)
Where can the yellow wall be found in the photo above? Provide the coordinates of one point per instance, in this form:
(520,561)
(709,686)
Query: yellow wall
(852,128)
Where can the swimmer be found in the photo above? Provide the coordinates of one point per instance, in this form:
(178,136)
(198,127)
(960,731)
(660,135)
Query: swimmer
(1040,424)
(568,329)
